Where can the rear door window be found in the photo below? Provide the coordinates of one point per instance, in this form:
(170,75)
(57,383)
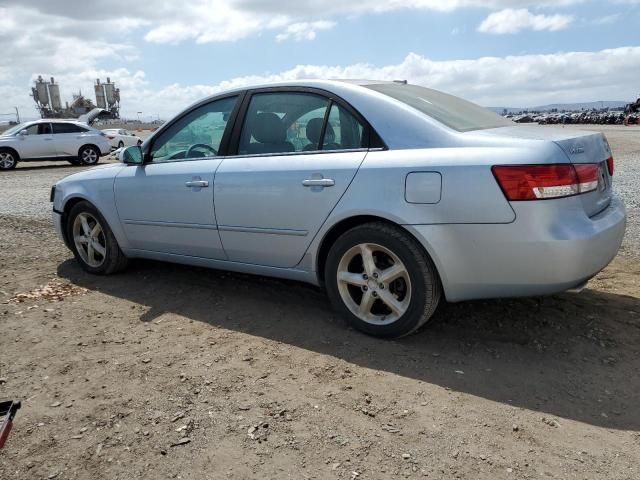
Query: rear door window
(67,128)
(343,132)
(282,122)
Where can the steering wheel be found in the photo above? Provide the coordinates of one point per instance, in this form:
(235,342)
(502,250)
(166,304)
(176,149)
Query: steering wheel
(200,145)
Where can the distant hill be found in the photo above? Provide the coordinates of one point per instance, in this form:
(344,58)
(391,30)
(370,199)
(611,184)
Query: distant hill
(563,106)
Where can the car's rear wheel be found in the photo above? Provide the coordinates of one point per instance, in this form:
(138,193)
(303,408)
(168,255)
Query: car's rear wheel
(8,160)
(381,280)
(88,155)
(92,241)
(120,144)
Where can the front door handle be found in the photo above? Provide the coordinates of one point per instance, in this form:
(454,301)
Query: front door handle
(318,182)
(197,184)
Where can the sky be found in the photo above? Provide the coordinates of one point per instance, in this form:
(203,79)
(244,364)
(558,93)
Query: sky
(164,55)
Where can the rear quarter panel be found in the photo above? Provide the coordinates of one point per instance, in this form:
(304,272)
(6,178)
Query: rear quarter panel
(469,192)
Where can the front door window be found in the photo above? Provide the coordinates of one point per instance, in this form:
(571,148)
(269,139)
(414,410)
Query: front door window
(195,136)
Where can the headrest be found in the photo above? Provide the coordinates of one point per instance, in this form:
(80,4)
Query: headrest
(268,128)
(314,129)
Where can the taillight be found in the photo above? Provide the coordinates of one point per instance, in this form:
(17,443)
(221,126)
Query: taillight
(610,166)
(110,137)
(538,182)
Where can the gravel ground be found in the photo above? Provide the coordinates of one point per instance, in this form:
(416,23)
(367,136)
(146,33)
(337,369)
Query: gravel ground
(167,371)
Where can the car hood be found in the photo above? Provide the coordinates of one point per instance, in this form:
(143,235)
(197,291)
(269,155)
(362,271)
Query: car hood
(109,170)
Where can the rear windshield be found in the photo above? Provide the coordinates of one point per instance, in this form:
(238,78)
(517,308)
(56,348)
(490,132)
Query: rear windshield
(452,111)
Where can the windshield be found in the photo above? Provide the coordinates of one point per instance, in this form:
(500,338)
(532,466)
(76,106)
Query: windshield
(14,129)
(453,112)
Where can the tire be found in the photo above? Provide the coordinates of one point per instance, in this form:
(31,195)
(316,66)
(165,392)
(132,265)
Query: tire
(112,260)
(413,286)
(139,142)
(8,159)
(120,144)
(88,155)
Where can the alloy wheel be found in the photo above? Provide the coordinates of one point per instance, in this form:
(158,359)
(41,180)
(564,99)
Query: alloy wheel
(374,284)
(7,160)
(89,156)
(89,239)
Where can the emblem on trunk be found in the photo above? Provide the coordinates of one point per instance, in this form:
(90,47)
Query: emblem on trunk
(576,149)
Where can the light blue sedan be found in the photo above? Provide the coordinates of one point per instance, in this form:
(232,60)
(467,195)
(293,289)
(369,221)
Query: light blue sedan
(389,195)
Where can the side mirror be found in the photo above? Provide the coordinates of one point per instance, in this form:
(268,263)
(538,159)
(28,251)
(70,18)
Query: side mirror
(131,155)
(23,133)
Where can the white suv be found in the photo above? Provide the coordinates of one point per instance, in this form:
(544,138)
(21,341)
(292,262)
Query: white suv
(52,139)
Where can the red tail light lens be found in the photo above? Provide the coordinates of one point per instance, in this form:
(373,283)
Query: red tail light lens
(110,137)
(538,182)
(610,166)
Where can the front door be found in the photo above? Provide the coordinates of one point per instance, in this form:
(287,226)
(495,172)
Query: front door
(293,166)
(166,205)
(38,142)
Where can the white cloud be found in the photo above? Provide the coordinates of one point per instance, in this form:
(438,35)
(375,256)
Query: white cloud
(607,19)
(520,81)
(514,20)
(208,21)
(74,39)
(304,30)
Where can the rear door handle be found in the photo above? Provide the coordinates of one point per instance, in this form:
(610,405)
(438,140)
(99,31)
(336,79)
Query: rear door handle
(318,182)
(197,184)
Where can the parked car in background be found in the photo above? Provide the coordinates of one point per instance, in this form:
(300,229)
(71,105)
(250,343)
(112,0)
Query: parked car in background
(119,137)
(45,140)
(389,195)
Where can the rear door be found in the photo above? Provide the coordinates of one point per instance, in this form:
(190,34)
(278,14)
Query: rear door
(297,153)
(68,138)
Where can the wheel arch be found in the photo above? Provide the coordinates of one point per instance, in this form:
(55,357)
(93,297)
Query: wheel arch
(93,145)
(13,152)
(69,203)
(348,223)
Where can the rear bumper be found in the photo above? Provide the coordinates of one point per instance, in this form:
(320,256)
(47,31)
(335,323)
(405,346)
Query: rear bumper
(105,148)
(551,247)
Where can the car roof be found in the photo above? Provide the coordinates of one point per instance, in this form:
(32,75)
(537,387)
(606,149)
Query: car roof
(59,120)
(399,125)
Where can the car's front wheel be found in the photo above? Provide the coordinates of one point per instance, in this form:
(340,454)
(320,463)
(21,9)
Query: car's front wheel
(381,280)
(120,144)
(92,241)
(8,160)
(88,155)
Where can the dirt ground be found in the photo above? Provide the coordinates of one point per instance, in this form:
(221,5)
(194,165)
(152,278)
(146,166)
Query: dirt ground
(167,371)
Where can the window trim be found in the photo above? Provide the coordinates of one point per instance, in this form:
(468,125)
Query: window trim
(369,134)
(224,142)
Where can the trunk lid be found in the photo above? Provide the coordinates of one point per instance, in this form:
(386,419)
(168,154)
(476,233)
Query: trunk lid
(579,147)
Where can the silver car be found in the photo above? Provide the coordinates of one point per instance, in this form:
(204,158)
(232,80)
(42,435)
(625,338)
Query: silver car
(52,139)
(391,196)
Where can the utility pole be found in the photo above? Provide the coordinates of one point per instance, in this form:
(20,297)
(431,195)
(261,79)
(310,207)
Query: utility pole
(17,115)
